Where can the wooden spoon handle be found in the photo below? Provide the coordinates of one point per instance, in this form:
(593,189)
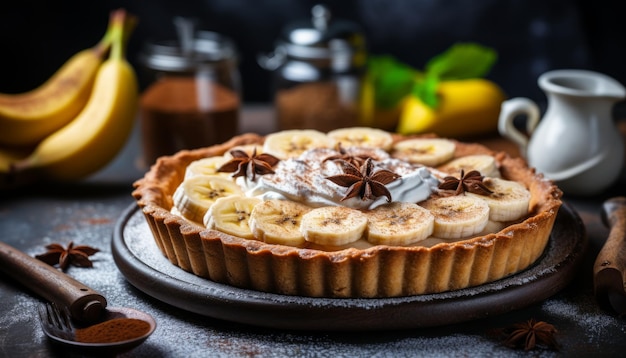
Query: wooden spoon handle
(83,303)
(610,265)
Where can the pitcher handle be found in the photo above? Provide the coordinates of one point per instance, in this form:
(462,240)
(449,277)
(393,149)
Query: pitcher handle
(514,107)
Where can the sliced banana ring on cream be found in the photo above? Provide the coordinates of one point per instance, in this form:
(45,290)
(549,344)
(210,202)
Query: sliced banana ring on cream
(509,201)
(426,151)
(362,137)
(291,143)
(333,225)
(399,223)
(231,215)
(457,216)
(194,196)
(278,222)
(206,166)
(485,164)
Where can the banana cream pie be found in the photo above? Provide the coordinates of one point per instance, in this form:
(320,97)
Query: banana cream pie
(356,212)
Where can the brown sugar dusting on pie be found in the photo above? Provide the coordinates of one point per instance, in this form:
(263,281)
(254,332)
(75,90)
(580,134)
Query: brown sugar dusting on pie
(357,269)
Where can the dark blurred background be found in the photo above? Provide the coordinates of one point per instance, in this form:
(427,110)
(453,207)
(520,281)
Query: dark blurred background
(530,36)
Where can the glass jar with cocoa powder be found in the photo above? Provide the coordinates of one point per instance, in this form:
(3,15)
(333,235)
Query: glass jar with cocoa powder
(193,99)
(318,69)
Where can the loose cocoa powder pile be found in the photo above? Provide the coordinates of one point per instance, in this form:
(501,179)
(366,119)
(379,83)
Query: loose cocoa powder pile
(115,330)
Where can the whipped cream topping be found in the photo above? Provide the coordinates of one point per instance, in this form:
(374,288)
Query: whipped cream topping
(303,179)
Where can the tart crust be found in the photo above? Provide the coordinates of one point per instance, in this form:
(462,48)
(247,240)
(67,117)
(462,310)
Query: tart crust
(378,271)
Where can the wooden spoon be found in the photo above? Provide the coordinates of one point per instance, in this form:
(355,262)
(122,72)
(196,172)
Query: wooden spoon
(84,304)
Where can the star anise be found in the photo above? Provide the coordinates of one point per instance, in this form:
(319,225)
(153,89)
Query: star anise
(363,181)
(531,334)
(246,165)
(356,160)
(471,182)
(70,255)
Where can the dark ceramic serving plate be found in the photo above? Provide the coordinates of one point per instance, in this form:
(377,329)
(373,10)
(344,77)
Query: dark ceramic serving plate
(143,265)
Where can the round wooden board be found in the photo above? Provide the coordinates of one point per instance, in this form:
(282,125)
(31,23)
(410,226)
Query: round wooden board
(140,261)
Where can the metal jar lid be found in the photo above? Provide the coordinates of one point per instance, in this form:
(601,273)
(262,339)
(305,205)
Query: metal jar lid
(206,47)
(319,38)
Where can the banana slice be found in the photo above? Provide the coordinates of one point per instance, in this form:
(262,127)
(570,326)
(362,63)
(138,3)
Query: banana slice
(362,137)
(427,151)
(457,216)
(485,164)
(206,166)
(333,225)
(174,210)
(194,196)
(399,223)
(278,222)
(291,143)
(509,201)
(231,215)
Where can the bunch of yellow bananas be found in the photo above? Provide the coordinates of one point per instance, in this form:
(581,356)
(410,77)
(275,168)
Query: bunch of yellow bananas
(77,121)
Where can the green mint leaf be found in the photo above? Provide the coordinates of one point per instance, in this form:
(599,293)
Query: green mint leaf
(425,89)
(462,61)
(392,80)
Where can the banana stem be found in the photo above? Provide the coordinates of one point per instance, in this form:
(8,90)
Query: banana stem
(121,25)
(104,45)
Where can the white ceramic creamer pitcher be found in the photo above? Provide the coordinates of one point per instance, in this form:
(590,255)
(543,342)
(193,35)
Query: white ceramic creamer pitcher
(576,143)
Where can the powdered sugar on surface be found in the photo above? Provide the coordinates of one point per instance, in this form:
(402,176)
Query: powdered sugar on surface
(584,313)
(22,313)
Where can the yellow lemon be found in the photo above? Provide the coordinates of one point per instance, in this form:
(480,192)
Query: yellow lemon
(466,108)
